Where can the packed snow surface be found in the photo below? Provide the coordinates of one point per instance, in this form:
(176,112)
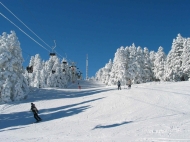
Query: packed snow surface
(149,112)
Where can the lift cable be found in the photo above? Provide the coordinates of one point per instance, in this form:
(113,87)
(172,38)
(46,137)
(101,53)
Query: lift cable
(24,32)
(42,27)
(24,24)
(24,5)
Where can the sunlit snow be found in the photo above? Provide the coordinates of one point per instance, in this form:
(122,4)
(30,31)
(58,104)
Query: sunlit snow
(147,112)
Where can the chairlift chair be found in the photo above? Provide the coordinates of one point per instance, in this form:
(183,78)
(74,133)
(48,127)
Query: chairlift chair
(52,54)
(53,71)
(29,69)
(64,62)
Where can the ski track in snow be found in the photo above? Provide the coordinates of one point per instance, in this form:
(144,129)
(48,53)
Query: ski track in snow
(150,112)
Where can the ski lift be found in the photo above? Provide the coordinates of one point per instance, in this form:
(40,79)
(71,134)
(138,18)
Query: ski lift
(64,62)
(29,69)
(53,54)
(53,71)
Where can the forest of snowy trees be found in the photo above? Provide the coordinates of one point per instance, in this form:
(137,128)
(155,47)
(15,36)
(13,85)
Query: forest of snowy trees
(142,66)
(51,73)
(131,62)
(13,84)
(16,81)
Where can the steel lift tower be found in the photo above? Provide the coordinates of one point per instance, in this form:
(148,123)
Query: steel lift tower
(86,66)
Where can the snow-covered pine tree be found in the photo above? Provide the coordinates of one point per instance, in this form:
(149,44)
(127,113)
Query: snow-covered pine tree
(159,64)
(73,72)
(63,73)
(140,72)
(65,69)
(133,66)
(98,74)
(51,73)
(119,67)
(37,67)
(174,60)
(59,74)
(152,59)
(13,84)
(43,78)
(34,76)
(186,60)
(148,74)
(51,66)
(103,74)
(107,70)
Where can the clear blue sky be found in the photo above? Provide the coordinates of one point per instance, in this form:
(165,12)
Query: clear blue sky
(96,27)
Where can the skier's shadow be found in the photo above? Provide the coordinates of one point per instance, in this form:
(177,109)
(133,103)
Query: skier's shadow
(112,125)
(16,120)
(49,94)
(65,111)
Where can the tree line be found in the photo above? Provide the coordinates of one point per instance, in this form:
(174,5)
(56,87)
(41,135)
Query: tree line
(142,66)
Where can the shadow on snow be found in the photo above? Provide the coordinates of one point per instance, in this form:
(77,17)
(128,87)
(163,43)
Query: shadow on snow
(24,118)
(112,125)
(49,94)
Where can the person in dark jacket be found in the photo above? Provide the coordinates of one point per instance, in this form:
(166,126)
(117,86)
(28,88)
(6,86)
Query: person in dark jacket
(129,84)
(35,112)
(119,85)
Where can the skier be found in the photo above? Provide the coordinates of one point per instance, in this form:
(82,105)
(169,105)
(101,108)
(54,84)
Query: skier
(79,86)
(119,85)
(35,112)
(129,84)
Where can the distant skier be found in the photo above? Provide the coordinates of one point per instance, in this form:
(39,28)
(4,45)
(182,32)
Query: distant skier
(35,112)
(79,86)
(129,84)
(119,85)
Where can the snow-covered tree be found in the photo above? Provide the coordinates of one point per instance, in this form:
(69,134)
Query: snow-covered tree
(51,65)
(129,63)
(43,78)
(50,73)
(119,67)
(148,73)
(107,71)
(141,66)
(104,73)
(159,64)
(98,74)
(174,60)
(186,60)
(33,76)
(13,84)
(152,59)
(133,65)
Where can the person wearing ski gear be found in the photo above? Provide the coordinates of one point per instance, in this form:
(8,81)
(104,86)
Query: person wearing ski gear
(119,85)
(35,112)
(79,86)
(129,83)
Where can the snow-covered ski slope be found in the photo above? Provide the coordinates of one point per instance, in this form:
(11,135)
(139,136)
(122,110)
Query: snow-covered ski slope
(150,112)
